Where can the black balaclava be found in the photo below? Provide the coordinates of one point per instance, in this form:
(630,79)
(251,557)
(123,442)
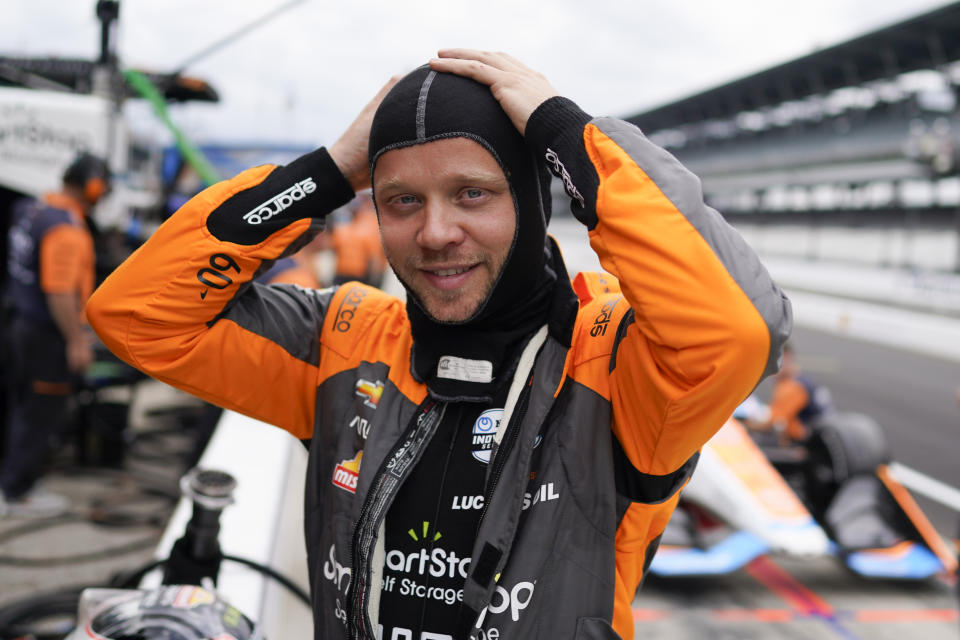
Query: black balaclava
(426,106)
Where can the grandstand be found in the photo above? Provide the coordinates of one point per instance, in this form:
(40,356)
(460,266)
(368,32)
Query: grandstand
(864,133)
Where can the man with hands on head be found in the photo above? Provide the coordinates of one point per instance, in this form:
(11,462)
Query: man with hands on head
(498,455)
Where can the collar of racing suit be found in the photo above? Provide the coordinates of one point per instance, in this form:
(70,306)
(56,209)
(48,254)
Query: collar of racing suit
(493,341)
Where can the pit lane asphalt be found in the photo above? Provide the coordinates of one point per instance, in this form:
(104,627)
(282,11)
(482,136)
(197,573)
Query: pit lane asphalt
(814,599)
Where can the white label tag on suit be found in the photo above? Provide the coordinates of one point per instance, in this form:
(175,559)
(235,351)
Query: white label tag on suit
(463,369)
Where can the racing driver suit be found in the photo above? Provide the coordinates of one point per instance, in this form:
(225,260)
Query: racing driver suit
(653,363)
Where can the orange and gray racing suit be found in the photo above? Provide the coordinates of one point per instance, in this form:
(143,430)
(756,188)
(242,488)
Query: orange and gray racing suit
(656,362)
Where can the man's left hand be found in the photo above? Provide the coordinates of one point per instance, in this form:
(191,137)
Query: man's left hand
(518,89)
(350,152)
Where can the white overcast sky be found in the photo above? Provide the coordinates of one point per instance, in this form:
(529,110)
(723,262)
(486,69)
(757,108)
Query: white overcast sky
(303,75)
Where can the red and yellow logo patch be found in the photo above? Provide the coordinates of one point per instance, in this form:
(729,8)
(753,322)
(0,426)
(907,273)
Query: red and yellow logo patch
(346,474)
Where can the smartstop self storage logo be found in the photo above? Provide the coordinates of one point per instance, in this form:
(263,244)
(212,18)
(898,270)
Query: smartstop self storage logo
(426,572)
(438,574)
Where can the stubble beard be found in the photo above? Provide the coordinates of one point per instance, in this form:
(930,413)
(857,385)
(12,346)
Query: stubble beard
(457,305)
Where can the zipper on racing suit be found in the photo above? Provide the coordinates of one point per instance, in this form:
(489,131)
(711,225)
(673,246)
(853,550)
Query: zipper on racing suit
(387,481)
(470,619)
(503,450)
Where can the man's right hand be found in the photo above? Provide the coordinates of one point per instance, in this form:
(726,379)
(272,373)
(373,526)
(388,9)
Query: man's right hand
(350,152)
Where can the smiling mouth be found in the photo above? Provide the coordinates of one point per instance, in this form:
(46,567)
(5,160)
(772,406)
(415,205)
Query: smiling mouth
(449,272)
(449,278)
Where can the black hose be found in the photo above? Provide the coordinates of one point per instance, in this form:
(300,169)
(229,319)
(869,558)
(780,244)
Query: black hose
(282,579)
(131,580)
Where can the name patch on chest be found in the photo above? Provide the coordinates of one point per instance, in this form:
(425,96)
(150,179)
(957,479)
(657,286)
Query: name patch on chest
(455,368)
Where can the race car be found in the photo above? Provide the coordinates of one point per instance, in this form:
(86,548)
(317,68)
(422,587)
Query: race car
(832,495)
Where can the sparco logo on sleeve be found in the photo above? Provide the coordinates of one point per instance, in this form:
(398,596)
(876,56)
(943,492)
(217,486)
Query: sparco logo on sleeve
(564,175)
(347,309)
(278,203)
(599,327)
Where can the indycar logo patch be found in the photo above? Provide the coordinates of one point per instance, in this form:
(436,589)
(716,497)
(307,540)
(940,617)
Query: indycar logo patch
(369,391)
(346,474)
(484,430)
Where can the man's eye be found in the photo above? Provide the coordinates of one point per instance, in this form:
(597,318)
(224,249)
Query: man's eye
(404,199)
(473,193)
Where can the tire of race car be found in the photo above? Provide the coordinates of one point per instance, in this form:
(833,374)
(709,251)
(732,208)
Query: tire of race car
(854,442)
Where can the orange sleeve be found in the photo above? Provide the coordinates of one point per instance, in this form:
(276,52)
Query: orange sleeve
(641,524)
(699,339)
(63,257)
(182,309)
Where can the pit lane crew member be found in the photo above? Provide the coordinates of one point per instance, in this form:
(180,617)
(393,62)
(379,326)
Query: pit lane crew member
(356,244)
(797,402)
(51,274)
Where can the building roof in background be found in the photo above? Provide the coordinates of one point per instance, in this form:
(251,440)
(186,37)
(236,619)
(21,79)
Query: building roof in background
(927,41)
(75,75)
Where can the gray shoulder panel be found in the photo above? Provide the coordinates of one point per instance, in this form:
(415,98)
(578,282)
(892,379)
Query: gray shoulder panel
(683,189)
(286,314)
